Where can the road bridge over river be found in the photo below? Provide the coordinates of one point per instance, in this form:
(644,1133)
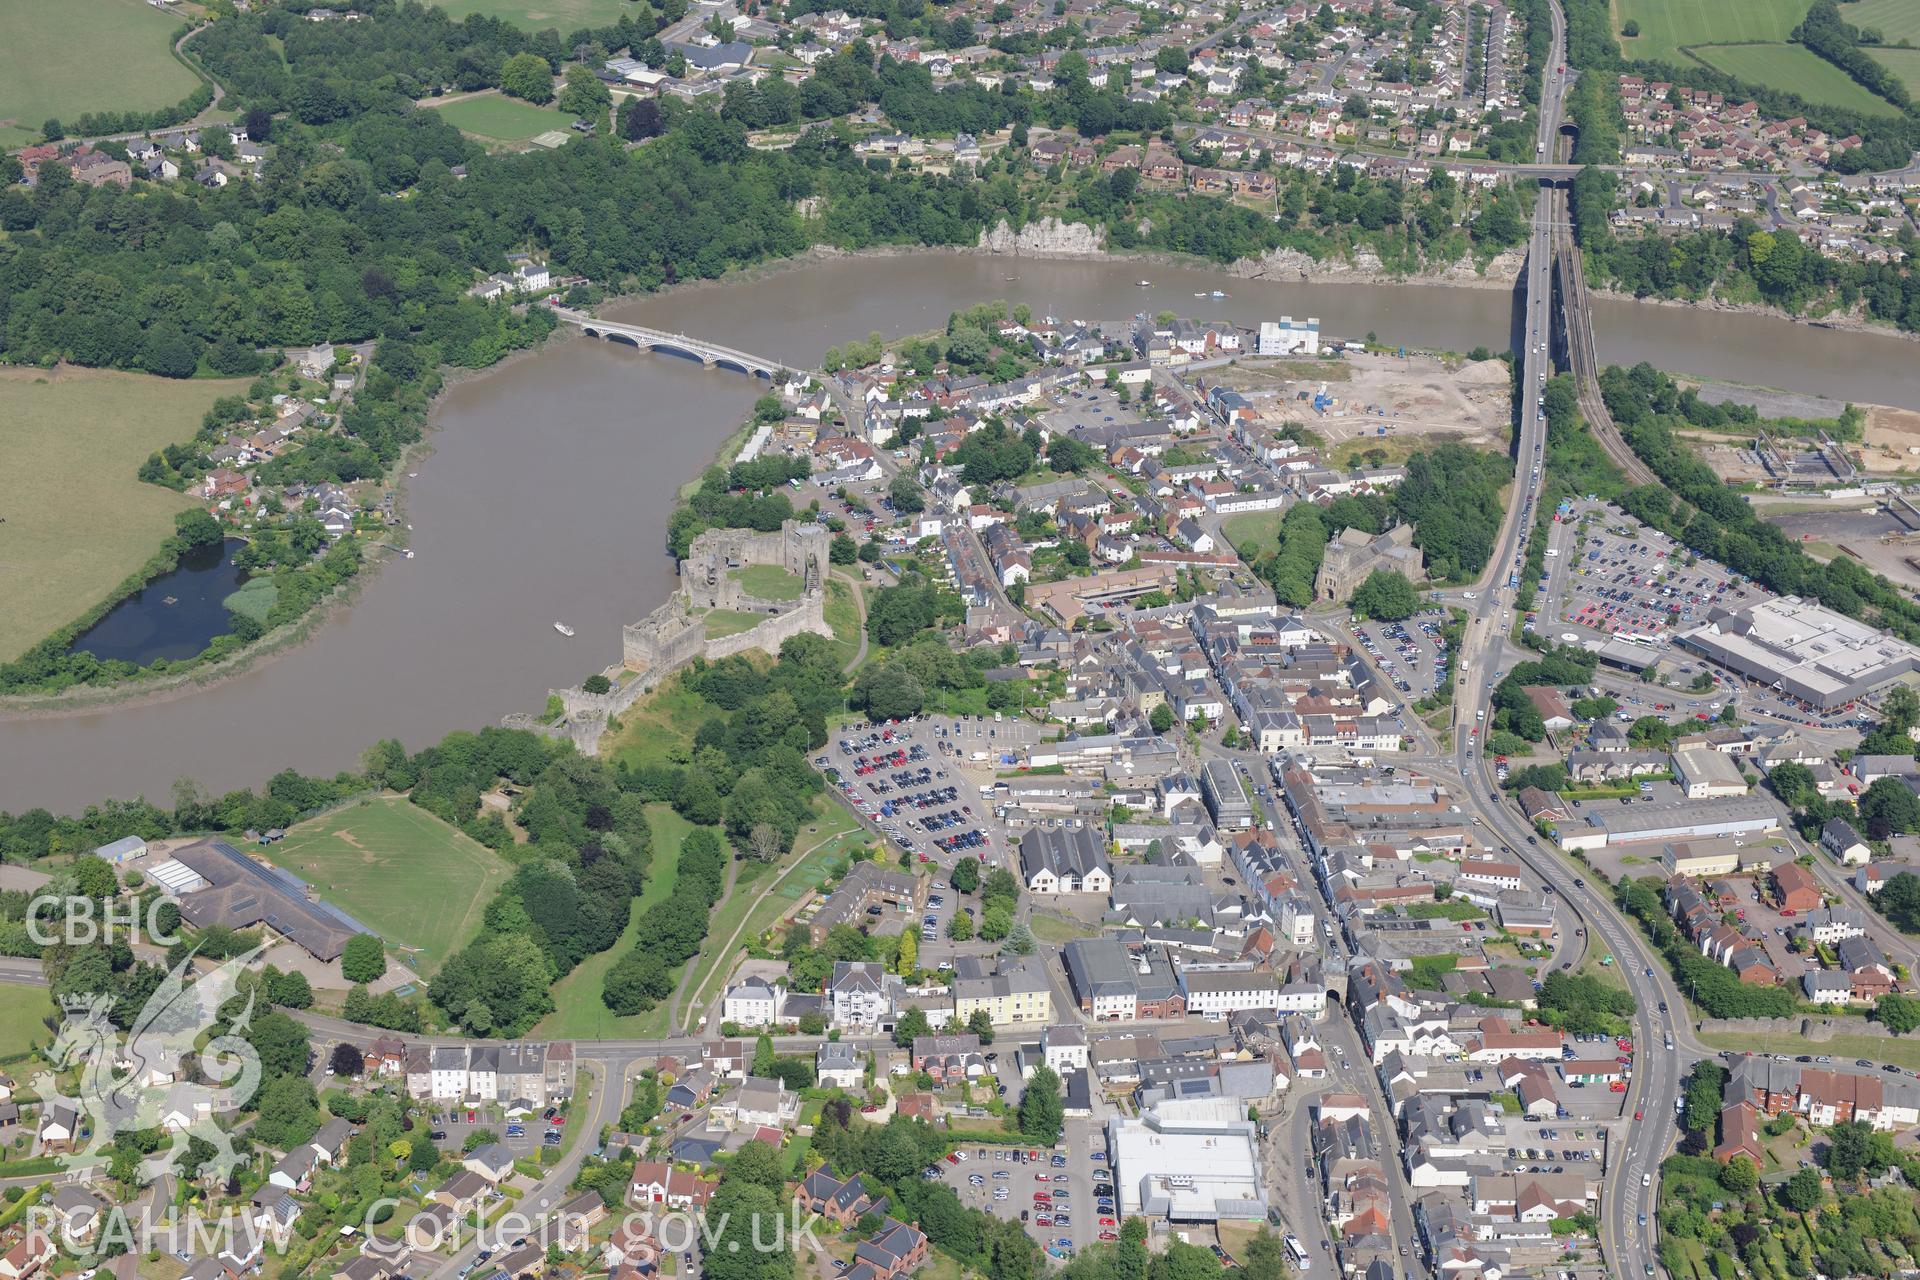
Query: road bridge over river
(711,354)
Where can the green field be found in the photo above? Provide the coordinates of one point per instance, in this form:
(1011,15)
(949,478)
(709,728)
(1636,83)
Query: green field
(1904,63)
(1667,26)
(564,16)
(1253,533)
(769,582)
(397,869)
(78,518)
(578,1009)
(1797,70)
(23,1015)
(1895,20)
(502,119)
(65,57)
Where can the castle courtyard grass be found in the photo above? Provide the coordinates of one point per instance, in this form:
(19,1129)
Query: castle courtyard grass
(77,517)
(769,582)
(420,884)
(62,58)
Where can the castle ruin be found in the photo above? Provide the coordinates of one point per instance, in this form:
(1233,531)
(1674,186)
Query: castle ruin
(674,634)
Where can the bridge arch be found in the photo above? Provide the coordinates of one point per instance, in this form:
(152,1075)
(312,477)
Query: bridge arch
(728,362)
(681,353)
(628,339)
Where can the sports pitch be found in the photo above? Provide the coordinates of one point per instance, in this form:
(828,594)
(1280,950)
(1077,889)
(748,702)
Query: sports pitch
(397,869)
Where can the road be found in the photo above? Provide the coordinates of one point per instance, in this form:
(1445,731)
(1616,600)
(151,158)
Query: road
(1633,1160)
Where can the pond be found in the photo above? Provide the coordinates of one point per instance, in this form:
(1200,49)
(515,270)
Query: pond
(172,617)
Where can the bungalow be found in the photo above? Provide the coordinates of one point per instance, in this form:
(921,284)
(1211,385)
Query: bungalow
(492,1161)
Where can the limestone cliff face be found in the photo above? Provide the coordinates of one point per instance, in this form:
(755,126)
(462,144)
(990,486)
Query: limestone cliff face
(1292,264)
(1048,237)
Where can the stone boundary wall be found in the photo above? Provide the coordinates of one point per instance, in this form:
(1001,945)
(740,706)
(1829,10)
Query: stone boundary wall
(1817,1030)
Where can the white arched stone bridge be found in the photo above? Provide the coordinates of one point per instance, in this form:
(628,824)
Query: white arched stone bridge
(711,354)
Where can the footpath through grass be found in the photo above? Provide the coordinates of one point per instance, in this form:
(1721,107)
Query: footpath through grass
(78,518)
(757,902)
(579,1012)
(62,58)
(417,882)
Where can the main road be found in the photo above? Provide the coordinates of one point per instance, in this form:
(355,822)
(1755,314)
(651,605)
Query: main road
(1628,1192)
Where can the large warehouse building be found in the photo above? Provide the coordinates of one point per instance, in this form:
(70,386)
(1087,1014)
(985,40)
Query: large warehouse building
(1188,1160)
(1609,823)
(1805,650)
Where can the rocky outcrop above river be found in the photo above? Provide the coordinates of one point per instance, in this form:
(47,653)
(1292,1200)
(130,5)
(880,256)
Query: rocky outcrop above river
(1047,238)
(1366,267)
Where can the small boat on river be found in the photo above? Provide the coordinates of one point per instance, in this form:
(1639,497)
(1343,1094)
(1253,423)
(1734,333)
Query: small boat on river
(563,628)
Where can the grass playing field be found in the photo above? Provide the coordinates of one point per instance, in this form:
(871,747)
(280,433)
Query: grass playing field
(397,869)
(502,119)
(1797,70)
(65,57)
(1904,63)
(1893,19)
(1667,26)
(77,518)
(564,16)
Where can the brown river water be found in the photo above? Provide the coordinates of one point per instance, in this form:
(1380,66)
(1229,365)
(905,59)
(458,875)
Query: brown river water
(547,494)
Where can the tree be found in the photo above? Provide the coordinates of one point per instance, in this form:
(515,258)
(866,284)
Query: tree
(1161,717)
(640,119)
(281,1043)
(980,1022)
(583,94)
(909,954)
(906,495)
(1889,809)
(1019,939)
(364,960)
(527,76)
(596,683)
(1847,1150)
(996,922)
(1739,1176)
(763,1056)
(1042,1111)
(960,928)
(1803,1192)
(1898,1014)
(345,1060)
(1630,28)
(913,1023)
(1385,595)
(1263,1258)
(966,875)
(289,1112)
(1793,783)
